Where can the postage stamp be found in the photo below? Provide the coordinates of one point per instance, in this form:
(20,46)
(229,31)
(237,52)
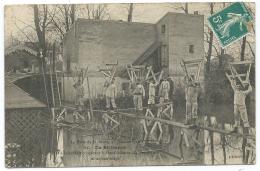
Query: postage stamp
(231,23)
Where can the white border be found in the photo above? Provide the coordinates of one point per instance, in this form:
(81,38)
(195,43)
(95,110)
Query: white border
(150,168)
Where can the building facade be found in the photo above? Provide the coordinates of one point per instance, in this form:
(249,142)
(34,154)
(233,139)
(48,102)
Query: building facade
(94,43)
(174,37)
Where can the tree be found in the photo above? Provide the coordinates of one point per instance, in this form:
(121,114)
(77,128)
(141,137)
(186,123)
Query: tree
(64,18)
(130,12)
(42,19)
(97,11)
(243,48)
(183,7)
(222,51)
(210,43)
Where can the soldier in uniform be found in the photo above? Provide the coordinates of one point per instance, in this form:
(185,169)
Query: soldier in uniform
(192,93)
(151,93)
(139,94)
(164,90)
(79,92)
(240,110)
(111,94)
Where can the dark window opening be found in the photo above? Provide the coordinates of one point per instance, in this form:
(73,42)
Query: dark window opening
(191,49)
(163,28)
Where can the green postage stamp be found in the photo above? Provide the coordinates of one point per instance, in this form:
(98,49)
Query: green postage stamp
(230,24)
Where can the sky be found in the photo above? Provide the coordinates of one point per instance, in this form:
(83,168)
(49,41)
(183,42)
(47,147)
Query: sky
(19,18)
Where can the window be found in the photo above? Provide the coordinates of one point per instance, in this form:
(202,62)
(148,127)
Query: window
(163,28)
(191,48)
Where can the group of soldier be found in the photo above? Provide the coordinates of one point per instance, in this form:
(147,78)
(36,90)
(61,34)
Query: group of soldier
(158,93)
(162,94)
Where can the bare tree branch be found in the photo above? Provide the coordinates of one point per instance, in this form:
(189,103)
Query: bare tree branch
(28,25)
(22,31)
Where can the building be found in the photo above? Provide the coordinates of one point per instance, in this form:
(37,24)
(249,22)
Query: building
(26,125)
(21,58)
(163,44)
(93,43)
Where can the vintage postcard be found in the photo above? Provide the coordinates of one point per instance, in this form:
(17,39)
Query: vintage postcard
(131,84)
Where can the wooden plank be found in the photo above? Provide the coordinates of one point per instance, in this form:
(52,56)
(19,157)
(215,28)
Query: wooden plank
(220,131)
(241,62)
(248,73)
(191,61)
(176,124)
(198,72)
(138,66)
(104,69)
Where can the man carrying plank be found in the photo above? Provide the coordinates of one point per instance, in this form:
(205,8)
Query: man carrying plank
(240,111)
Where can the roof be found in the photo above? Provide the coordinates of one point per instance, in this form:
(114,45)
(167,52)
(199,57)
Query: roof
(15,98)
(20,47)
(147,53)
(12,77)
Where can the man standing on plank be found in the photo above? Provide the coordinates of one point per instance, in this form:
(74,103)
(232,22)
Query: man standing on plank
(151,95)
(164,90)
(139,94)
(240,110)
(110,94)
(192,94)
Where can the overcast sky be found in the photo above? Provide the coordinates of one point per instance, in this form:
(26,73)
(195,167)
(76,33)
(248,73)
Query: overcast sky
(20,17)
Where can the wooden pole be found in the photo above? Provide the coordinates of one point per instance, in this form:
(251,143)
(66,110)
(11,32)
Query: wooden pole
(180,145)
(53,57)
(244,148)
(90,99)
(211,136)
(223,144)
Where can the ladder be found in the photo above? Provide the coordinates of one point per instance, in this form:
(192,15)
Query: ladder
(55,90)
(193,63)
(241,77)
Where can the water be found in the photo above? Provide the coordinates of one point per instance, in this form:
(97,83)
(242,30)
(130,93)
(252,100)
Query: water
(96,144)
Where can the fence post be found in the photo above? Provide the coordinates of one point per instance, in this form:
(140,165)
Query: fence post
(211,143)
(223,143)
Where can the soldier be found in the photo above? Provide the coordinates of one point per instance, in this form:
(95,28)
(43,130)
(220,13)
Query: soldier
(79,92)
(192,93)
(139,94)
(240,110)
(164,90)
(172,91)
(151,95)
(110,94)
(79,101)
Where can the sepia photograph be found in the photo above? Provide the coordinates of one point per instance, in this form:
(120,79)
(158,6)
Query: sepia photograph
(129,84)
